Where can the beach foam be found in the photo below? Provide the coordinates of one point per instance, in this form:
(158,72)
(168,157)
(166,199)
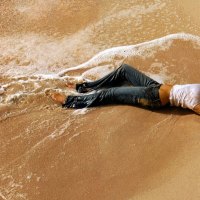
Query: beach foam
(21,87)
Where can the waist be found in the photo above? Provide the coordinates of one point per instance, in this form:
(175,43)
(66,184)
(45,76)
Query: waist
(164,93)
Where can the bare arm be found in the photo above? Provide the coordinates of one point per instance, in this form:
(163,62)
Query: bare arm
(196,109)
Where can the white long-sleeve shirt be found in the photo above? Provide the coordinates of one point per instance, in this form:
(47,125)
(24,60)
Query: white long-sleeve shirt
(186,96)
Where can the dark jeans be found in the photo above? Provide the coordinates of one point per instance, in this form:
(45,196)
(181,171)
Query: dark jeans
(142,90)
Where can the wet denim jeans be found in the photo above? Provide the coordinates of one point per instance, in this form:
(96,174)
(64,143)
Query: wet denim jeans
(141,90)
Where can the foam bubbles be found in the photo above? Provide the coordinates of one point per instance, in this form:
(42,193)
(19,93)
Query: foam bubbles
(117,55)
(1,90)
(29,88)
(82,111)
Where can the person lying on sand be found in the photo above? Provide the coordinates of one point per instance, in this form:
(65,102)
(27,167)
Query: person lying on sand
(142,91)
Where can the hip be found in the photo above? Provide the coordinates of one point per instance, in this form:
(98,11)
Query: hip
(164,94)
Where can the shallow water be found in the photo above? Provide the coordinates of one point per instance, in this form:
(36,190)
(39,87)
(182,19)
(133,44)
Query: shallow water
(48,152)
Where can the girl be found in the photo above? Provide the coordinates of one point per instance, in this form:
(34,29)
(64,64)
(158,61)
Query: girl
(142,91)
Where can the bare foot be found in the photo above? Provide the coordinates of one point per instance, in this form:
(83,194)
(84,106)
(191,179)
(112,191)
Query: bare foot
(58,98)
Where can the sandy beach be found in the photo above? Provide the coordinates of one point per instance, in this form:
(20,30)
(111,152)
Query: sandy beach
(115,152)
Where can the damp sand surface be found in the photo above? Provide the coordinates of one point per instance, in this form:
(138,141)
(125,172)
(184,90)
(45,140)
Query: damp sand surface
(111,152)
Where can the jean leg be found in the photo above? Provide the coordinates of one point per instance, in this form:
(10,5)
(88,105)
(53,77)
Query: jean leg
(137,78)
(116,95)
(123,73)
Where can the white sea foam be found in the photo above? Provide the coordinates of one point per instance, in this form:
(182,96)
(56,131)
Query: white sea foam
(30,86)
(73,136)
(43,53)
(82,111)
(1,90)
(140,50)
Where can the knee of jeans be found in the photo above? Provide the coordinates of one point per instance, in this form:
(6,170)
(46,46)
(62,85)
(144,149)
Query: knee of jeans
(125,66)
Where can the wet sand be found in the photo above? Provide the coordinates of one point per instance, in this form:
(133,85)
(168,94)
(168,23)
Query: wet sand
(111,152)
